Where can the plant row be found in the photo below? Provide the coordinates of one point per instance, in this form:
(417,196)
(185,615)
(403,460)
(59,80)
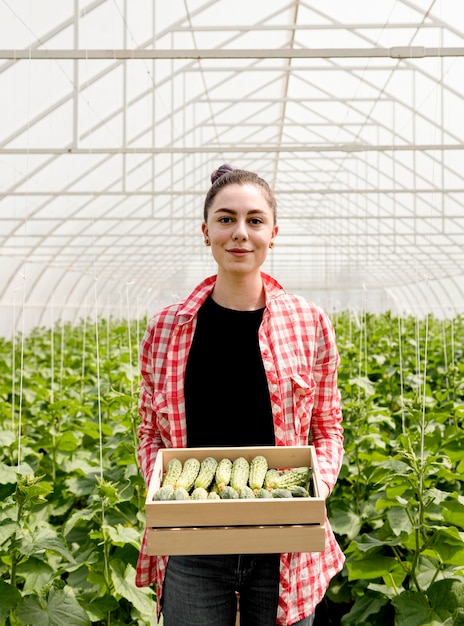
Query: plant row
(72,497)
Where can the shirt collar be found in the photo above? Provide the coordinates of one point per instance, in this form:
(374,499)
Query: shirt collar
(189,307)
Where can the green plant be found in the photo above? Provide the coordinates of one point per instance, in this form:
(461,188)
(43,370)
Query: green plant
(402,529)
(72,498)
(71,513)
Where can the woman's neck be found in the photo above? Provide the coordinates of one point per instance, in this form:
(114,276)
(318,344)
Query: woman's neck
(242,293)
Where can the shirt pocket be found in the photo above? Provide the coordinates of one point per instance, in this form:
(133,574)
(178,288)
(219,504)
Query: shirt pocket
(170,419)
(301,388)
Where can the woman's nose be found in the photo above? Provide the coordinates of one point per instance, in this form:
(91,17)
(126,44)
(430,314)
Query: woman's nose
(240,232)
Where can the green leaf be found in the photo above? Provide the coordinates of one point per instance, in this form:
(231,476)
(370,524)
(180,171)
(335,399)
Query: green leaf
(370,567)
(426,571)
(43,539)
(9,475)
(121,535)
(453,512)
(98,608)
(82,485)
(413,609)
(67,442)
(36,574)
(364,609)
(363,383)
(446,596)
(123,578)
(7,530)
(52,611)
(449,545)
(10,598)
(369,542)
(399,520)
(343,520)
(7,437)
(78,516)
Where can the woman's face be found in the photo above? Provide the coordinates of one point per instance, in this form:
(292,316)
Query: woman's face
(240,226)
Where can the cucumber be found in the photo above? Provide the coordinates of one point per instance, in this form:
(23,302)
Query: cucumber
(298,491)
(223,471)
(281,493)
(258,469)
(228,493)
(239,473)
(173,471)
(263,493)
(271,479)
(189,473)
(207,472)
(246,493)
(180,494)
(295,476)
(164,493)
(199,493)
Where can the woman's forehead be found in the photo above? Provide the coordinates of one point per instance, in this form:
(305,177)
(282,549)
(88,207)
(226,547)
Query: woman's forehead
(235,195)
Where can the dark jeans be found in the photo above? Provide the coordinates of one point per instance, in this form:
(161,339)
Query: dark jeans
(201,590)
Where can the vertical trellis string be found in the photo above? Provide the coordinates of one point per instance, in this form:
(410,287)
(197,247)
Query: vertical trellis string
(424,395)
(62,349)
(13,366)
(97,349)
(131,372)
(129,338)
(400,353)
(52,356)
(84,347)
(21,375)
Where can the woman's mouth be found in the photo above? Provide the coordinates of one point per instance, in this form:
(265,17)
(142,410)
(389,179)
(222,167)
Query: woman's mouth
(238,251)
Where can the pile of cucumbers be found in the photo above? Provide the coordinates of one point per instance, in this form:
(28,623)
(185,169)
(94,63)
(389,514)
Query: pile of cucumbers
(213,479)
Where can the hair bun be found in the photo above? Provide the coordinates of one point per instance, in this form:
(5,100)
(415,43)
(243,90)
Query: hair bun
(223,169)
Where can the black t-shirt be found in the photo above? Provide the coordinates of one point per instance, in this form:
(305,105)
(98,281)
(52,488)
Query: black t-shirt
(226,393)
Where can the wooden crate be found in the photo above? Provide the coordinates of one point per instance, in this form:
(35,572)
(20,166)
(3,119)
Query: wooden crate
(236,526)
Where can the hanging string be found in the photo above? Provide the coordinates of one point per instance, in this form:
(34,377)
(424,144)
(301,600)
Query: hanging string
(23,275)
(13,367)
(52,356)
(423,413)
(21,376)
(97,356)
(400,352)
(129,338)
(84,347)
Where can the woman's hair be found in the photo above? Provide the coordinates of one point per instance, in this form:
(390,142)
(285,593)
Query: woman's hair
(229,175)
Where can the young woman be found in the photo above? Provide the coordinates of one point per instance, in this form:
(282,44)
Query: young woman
(240,362)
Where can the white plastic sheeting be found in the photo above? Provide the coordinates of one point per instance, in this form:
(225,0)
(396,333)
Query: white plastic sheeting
(114,113)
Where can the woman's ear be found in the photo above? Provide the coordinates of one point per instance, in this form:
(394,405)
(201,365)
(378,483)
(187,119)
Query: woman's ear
(206,238)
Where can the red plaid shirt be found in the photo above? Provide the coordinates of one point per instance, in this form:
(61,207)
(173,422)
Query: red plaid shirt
(300,359)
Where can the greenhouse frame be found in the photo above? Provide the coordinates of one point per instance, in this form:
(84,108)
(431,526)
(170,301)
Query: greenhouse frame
(351,111)
(114,114)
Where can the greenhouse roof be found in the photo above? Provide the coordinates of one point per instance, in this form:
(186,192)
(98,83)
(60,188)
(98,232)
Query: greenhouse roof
(115,113)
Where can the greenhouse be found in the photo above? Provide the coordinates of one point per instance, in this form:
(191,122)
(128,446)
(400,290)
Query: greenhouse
(114,114)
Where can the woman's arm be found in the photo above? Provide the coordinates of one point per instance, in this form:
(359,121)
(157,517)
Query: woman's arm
(149,437)
(326,419)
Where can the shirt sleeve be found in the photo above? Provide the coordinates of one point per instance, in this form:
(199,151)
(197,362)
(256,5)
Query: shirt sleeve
(326,420)
(149,436)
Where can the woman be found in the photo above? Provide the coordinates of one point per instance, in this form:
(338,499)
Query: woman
(240,362)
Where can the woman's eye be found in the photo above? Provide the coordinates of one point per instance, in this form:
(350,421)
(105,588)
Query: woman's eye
(256,220)
(225,220)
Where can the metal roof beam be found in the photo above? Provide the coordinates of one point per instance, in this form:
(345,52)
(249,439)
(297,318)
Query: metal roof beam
(343,147)
(395,52)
